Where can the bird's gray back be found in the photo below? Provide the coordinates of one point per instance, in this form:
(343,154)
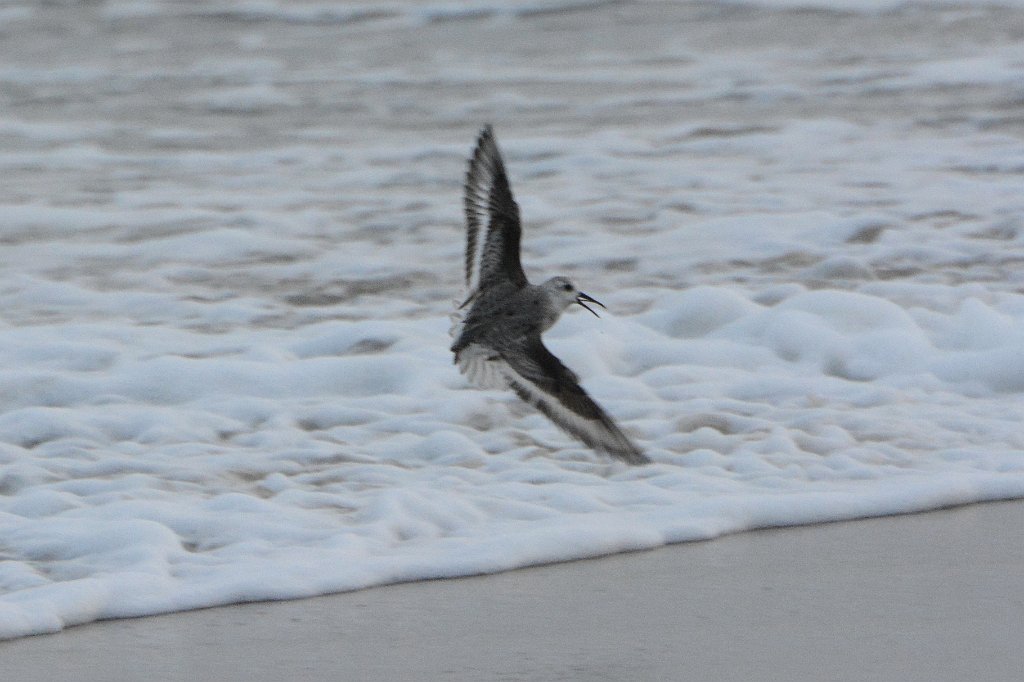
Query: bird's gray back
(504,313)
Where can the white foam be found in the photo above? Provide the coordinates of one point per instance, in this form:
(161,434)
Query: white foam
(224,365)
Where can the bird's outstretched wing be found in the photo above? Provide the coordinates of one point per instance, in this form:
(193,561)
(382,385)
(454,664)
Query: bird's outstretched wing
(540,379)
(492,220)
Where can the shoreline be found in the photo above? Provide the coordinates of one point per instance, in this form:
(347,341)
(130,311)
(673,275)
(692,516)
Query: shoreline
(929,596)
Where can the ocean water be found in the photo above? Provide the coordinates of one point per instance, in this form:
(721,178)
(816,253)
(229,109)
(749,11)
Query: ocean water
(231,233)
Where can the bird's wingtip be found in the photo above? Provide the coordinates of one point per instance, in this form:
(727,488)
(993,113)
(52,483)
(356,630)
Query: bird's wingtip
(627,451)
(638,458)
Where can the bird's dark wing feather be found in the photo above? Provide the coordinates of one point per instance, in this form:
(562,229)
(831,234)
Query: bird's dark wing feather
(540,379)
(492,219)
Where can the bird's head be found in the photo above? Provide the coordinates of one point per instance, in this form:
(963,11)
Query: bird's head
(563,293)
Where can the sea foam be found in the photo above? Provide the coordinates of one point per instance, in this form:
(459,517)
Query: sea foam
(226,275)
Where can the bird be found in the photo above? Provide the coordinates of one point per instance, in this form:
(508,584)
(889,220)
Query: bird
(497,327)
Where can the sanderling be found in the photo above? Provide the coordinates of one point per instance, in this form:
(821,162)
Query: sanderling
(498,326)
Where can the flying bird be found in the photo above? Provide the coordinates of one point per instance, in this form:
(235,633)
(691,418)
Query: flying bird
(498,326)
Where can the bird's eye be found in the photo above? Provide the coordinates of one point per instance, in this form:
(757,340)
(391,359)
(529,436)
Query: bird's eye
(567,286)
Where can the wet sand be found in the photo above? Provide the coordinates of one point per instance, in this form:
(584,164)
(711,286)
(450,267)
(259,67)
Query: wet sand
(935,596)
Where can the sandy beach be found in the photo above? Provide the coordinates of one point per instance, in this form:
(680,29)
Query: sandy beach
(930,597)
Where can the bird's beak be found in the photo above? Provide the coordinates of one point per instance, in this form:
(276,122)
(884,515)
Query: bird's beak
(583,299)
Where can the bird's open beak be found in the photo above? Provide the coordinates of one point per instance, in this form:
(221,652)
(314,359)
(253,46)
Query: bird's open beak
(583,299)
